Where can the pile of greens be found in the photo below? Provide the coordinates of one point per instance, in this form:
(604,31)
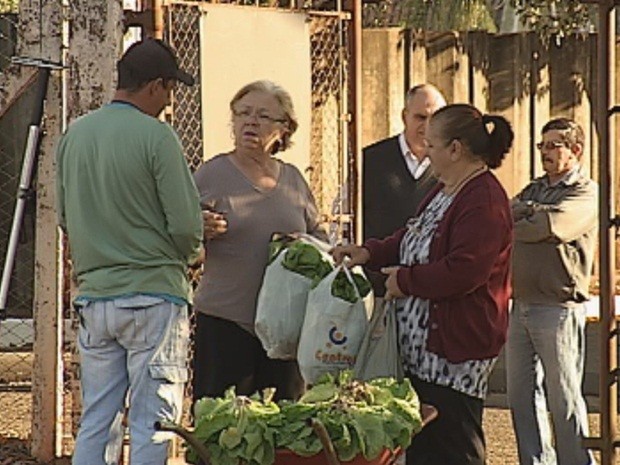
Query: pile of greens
(237,428)
(360,418)
(301,258)
(343,288)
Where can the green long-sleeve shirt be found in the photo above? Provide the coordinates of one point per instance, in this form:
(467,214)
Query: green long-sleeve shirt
(128,203)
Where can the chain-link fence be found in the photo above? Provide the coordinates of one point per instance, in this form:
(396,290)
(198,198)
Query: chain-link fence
(329,144)
(16,331)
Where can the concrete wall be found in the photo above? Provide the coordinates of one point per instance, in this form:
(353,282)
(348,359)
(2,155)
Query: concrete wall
(383,83)
(512,74)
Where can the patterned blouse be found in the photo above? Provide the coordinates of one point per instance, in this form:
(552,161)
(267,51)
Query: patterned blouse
(469,377)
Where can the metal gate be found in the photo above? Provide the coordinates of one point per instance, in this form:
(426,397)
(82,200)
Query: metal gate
(330,154)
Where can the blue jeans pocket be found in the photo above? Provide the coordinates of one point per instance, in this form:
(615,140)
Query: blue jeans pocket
(91,334)
(145,319)
(169,361)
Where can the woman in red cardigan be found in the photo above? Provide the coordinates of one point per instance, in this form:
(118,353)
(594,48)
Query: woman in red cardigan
(449,269)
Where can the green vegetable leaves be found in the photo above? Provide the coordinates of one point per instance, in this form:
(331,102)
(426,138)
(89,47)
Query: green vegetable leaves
(306,260)
(343,289)
(360,418)
(237,428)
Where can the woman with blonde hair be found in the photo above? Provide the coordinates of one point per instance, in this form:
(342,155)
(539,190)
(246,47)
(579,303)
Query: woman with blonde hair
(247,194)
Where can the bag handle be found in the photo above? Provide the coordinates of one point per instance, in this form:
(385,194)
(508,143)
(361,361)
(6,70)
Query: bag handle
(349,276)
(377,317)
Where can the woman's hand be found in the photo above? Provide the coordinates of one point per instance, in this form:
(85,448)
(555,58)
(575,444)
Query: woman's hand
(215,224)
(392,291)
(357,255)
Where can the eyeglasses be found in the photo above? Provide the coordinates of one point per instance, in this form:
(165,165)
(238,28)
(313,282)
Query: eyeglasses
(551,145)
(261,117)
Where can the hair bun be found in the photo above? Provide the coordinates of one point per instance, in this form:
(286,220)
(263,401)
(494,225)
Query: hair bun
(486,121)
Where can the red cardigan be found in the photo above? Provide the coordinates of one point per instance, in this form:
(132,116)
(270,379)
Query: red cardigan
(467,279)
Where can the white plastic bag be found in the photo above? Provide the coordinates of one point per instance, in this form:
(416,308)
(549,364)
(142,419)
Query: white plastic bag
(333,329)
(281,305)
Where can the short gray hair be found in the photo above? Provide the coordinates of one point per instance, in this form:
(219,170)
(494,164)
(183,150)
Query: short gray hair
(431,89)
(283,98)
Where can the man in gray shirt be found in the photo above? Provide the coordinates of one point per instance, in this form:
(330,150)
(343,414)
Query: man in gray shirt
(555,236)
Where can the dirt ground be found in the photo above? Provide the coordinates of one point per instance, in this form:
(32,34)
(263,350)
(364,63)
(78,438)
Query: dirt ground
(15,413)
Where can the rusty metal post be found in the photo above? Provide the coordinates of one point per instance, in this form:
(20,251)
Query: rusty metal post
(158,19)
(608,339)
(354,168)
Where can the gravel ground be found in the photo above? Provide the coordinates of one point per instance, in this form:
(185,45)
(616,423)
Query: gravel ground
(15,411)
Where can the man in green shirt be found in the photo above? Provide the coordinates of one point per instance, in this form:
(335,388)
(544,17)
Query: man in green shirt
(127,201)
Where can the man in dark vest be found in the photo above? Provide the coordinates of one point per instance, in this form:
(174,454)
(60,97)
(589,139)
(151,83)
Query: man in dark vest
(396,174)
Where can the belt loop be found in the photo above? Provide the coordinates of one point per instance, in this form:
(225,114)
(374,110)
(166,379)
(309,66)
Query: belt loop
(76,308)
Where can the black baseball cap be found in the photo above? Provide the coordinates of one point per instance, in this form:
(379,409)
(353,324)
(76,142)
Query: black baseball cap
(151,59)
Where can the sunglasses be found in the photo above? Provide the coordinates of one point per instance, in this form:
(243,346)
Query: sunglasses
(551,145)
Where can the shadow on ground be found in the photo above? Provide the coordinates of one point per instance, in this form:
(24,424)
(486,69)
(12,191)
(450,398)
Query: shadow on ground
(17,452)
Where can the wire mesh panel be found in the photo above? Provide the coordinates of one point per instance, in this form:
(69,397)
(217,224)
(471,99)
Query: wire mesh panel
(328,139)
(183,33)
(16,332)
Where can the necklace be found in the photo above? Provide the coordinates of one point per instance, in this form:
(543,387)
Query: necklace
(453,190)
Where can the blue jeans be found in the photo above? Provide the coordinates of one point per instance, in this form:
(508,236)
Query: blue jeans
(545,362)
(133,351)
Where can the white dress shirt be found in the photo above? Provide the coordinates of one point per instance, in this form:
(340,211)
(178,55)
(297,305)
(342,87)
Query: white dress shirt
(415,166)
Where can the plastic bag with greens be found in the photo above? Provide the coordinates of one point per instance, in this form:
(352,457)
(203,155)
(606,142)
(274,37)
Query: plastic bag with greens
(336,321)
(295,263)
(348,289)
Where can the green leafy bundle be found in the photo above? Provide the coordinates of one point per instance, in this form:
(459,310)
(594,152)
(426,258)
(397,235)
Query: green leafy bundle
(343,288)
(305,259)
(278,245)
(360,418)
(237,428)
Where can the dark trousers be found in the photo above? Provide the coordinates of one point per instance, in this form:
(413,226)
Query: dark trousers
(455,437)
(227,355)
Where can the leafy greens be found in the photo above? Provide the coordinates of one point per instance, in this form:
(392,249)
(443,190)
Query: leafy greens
(360,418)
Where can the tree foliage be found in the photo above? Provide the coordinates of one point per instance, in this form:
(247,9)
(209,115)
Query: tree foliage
(556,18)
(431,15)
(549,18)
